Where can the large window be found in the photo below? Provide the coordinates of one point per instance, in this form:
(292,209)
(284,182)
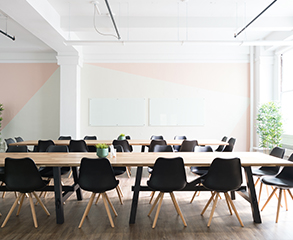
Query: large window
(287,91)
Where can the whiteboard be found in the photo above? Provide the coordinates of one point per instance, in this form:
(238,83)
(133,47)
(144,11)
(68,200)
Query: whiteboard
(117,112)
(176,111)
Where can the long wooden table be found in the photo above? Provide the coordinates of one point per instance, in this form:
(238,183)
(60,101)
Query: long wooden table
(140,160)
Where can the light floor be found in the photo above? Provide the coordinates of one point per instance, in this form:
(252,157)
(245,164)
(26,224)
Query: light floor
(169,225)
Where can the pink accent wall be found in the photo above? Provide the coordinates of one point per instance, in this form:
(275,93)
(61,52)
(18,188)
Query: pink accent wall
(199,75)
(19,82)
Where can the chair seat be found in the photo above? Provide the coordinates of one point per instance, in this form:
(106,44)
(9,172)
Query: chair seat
(119,170)
(278,182)
(260,172)
(199,170)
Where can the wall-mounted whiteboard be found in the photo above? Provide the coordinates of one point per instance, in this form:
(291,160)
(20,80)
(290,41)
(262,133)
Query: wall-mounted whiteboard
(176,111)
(117,112)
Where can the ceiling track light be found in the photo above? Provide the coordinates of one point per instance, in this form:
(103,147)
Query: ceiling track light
(7,35)
(235,35)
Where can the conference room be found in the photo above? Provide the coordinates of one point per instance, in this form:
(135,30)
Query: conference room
(176,69)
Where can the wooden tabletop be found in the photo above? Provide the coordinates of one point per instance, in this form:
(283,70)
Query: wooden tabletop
(131,142)
(148,159)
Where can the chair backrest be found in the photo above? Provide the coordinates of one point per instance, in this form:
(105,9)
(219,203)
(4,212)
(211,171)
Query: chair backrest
(44,144)
(156,142)
(180,137)
(276,152)
(230,147)
(9,141)
(168,175)
(223,175)
(123,143)
(64,138)
(128,137)
(96,175)
(77,146)
(154,137)
(163,148)
(19,139)
(57,148)
(17,149)
(90,138)
(287,172)
(221,147)
(203,149)
(22,175)
(188,145)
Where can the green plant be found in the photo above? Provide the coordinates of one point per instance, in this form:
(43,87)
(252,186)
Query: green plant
(102,146)
(269,125)
(122,135)
(1,110)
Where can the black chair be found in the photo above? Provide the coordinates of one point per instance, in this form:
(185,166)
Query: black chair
(230,147)
(19,139)
(9,141)
(64,138)
(177,147)
(282,181)
(221,147)
(155,142)
(77,146)
(268,171)
(129,138)
(17,149)
(22,175)
(200,170)
(188,145)
(97,176)
(167,181)
(44,144)
(157,137)
(125,148)
(224,175)
(91,148)
(159,148)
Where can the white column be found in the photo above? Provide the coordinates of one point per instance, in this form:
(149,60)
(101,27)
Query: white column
(70,67)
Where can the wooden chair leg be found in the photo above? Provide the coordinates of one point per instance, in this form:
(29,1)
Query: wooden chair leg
(120,190)
(234,208)
(260,188)
(208,203)
(155,203)
(111,205)
(290,193)
(158,210)
(88,207)
(107,209)
(193,196)
(20,204)
(213,209)
(152,196)
(128,170)
(11,210)
(119,195)
(41,203)
(257,181)
(279,204)
(33,210)
(285,198)
(228,204)
(177,208)
(269,199)
(98,198)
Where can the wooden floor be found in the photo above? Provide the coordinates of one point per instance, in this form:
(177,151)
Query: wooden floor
(169,225)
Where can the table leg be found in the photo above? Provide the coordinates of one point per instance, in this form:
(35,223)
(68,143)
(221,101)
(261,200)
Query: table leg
(142,148)
(135,195)
(252,195)
(75,174)
(58,195)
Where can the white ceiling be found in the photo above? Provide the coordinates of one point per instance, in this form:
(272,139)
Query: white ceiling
(64,26)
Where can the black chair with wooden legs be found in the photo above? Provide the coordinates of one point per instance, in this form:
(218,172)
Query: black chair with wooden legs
(268,171)
(220,148)
(173,179)
(282,181)
(97,176)
(188,145)
(223,175)
(22,175)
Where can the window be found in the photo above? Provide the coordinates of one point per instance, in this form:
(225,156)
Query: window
(287,91)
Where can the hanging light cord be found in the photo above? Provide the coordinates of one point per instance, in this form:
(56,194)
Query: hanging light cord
(94,21)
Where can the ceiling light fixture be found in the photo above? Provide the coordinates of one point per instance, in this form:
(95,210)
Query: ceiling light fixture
(235,35)
(110,14)
(5,33)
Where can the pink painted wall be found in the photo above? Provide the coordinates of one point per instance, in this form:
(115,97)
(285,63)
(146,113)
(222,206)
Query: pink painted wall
(19,82)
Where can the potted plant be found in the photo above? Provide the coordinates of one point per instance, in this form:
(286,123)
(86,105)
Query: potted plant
(121,137)
(269,125)
(102,150)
